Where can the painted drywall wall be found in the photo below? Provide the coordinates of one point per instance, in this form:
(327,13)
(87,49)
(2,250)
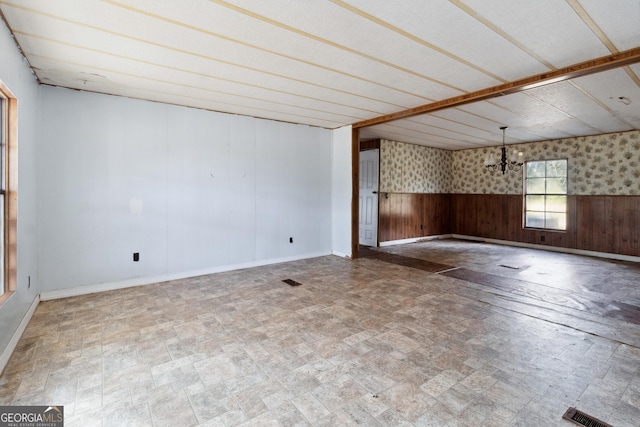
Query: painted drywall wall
(16,74)
(341,191)
(187,189)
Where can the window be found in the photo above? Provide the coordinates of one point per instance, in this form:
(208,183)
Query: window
(8,192)
(546,194)
(3,138)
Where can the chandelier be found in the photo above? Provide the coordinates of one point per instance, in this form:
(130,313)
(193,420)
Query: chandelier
(514,163)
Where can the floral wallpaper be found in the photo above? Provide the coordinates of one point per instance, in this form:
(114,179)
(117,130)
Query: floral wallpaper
(598,165)
(409,168)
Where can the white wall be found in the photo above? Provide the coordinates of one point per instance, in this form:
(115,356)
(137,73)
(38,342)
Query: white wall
(341,191)
(17,76)
(214,190)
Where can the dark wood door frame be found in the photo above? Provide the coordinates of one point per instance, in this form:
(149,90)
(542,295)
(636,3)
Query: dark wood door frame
(355,192)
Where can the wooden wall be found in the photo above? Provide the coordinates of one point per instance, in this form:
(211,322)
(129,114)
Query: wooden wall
(608,224)
(409,215)
(595,223)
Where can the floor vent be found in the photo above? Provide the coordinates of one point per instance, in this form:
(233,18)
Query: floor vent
(582,419)
(291,282)
(513,267)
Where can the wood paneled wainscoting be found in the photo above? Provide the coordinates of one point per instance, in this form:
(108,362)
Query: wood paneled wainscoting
(609,224)
(412,215)
(595,223)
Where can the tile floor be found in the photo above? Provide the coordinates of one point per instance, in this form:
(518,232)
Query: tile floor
(364,342)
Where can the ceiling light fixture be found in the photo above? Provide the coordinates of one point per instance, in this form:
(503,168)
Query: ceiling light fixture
(513,164)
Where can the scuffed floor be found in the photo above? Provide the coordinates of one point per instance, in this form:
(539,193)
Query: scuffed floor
(490,336)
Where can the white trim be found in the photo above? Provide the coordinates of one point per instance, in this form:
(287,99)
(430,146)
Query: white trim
(341,254)
(140,281)
(414,240)
(8,351)
(550,248)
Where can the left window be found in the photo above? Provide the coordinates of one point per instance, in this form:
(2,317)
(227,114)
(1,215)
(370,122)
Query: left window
(8,191)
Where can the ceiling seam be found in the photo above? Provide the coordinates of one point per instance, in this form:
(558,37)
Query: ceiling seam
(333,44)
(271,52)
(414,38)
(633,75)
(410,136)
(209,58)
(595,28)
(124,57)
(190,106)
(502,33)
(213,91)
(563,112)
(449,130)
(428,126)
(600,103)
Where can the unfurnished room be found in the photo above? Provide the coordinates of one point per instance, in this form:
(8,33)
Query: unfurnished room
(320,213)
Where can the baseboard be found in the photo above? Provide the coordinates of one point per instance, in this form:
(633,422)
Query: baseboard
(141,281)
(414,240)
(8,351)
(549,248)
(341,254)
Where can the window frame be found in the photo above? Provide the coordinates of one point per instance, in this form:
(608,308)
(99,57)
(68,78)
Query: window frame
(9,221)
(525,194)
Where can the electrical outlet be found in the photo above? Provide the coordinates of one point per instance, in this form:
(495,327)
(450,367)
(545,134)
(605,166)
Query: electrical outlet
(136,256)
(290,239)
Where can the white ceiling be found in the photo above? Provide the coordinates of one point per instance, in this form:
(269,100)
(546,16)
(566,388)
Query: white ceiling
(332,63)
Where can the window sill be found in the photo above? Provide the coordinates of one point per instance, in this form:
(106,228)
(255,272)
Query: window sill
(550,230)
(4,297)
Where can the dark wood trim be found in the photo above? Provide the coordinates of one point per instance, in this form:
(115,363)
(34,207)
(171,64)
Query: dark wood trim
(379,195)
(592,66)
(370,144)
(355,192)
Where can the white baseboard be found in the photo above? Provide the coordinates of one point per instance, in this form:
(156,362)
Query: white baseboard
(341,254)
(549,248)
(414,240)
(8,351)
(140,281)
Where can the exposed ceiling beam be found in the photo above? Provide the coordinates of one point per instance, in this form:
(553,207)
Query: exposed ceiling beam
(592,66)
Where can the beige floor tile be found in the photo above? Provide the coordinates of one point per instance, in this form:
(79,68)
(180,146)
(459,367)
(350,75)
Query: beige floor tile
(360,342)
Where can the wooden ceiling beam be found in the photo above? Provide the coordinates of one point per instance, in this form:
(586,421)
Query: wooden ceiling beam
(592,66)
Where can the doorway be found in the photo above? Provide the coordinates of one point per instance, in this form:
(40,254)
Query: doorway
(368,197)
